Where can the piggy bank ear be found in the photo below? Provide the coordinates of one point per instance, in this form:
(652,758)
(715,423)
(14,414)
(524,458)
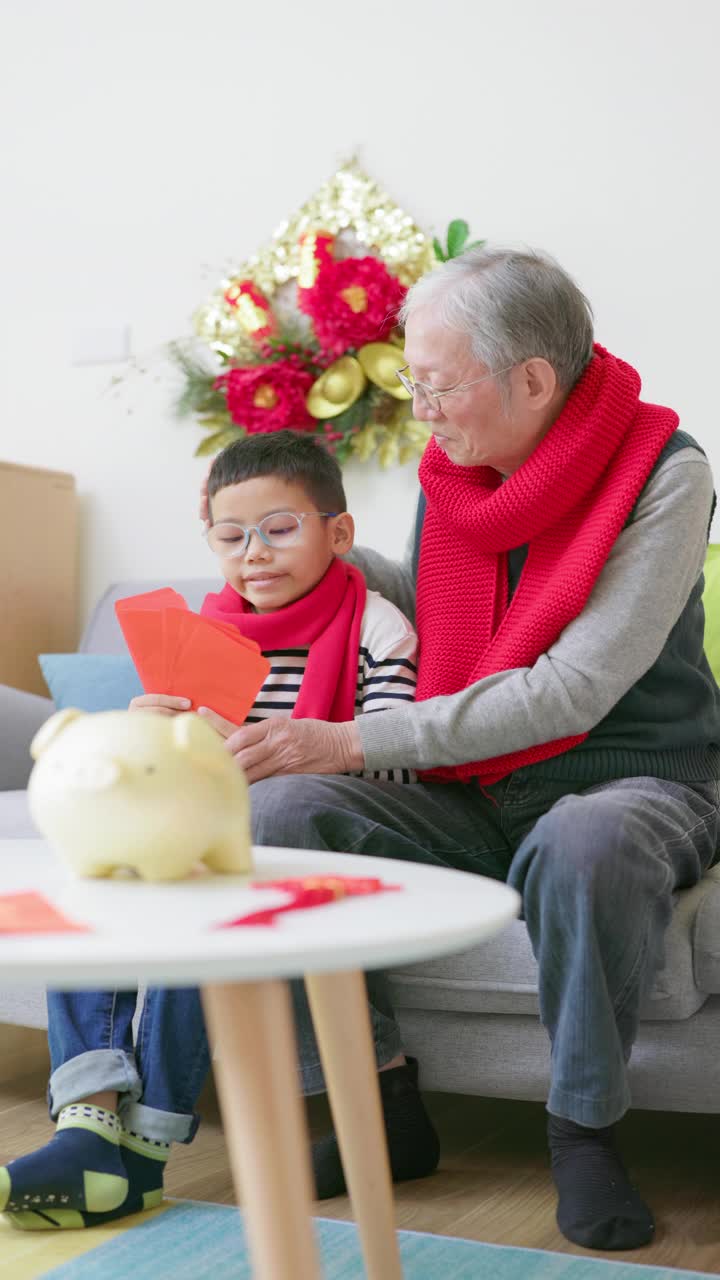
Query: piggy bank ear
(49,731)
(201,744)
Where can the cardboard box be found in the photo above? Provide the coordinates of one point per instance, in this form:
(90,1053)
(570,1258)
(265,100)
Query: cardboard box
(38,571)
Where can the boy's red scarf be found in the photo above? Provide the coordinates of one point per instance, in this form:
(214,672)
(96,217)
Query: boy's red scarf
(326,621)
(569,502)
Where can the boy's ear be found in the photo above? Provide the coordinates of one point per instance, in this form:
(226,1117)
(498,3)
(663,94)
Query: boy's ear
(343,534)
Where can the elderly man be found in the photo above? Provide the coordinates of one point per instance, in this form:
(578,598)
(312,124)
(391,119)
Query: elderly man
(567,724)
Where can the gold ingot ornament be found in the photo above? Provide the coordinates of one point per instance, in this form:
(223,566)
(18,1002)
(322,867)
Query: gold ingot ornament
(380,362)
(337,388)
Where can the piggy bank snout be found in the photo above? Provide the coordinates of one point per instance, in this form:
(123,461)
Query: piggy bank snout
(96,774)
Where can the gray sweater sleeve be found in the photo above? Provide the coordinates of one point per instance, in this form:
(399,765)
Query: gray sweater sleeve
(636,601)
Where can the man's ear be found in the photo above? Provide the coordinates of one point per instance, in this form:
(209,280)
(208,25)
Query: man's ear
(343,533)
(540,383)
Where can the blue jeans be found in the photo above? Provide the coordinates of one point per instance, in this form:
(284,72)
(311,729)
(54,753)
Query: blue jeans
(596,868)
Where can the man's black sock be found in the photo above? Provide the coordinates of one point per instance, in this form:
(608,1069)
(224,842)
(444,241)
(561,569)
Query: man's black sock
(413,1144)
(598,1207)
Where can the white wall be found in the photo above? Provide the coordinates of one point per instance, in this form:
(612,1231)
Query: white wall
(154,143)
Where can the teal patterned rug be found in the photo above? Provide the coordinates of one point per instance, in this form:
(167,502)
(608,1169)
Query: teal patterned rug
(193,1240)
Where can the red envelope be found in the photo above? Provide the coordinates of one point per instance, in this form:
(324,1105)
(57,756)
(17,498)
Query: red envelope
(214,670)
(173,639)
(229,630)
(32,913)
(143,625)
(164,598)
(144,634)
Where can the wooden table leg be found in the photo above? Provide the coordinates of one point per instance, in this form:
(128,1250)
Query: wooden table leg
(250,1025)
(338,1002)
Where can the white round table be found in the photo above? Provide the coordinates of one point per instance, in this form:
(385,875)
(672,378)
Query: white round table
(165,934)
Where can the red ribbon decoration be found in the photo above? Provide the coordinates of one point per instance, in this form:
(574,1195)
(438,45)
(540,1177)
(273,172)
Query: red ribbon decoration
(310,891)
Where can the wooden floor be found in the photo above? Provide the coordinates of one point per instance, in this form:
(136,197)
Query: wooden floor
(493,1183)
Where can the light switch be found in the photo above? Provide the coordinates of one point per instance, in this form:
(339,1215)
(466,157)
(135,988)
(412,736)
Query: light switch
(100,344)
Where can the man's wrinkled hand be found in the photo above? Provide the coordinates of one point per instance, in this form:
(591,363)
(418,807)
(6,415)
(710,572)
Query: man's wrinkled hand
(279,745)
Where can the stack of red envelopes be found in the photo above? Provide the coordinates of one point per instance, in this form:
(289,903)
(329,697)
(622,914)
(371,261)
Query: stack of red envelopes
(179,653)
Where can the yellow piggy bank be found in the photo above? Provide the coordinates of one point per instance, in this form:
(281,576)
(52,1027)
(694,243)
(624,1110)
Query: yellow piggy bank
(132,789)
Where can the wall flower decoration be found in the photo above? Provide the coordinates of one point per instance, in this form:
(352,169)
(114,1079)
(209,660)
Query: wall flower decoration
(305,334)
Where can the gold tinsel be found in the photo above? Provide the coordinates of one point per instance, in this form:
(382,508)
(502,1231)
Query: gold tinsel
(349,201)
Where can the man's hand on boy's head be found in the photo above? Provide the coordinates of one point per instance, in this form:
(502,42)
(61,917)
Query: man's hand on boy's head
(163,704)
(204,509)
(281,745)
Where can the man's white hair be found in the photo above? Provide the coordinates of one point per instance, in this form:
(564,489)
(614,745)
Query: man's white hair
(512,305)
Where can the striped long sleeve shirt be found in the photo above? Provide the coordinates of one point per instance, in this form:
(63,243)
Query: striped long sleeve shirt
(387,673)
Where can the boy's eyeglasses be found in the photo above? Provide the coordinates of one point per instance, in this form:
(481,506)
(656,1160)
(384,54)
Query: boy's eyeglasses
(228,539)
(429,396)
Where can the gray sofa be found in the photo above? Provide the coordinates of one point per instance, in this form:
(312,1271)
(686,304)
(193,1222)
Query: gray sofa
(472,1018)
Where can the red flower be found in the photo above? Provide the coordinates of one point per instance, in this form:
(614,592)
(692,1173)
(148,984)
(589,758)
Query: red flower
(353,301)
(268,397)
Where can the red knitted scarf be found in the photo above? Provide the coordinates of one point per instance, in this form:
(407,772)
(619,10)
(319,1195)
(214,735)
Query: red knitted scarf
(327,621)
(568,502)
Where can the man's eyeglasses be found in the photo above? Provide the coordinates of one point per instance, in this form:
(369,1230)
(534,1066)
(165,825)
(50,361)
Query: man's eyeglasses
(429,396)
(282,529)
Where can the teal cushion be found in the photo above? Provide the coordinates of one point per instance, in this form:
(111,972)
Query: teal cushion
(90,681)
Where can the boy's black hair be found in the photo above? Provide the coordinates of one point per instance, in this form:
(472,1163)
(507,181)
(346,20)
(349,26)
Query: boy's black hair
(297,458)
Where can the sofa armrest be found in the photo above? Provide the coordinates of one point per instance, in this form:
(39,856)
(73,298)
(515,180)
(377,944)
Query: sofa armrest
(21,715)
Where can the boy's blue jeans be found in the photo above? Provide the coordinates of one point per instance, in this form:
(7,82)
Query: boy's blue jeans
(158,1078)
(596,868)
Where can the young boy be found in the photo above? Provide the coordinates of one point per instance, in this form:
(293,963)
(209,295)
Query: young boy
(279,526)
